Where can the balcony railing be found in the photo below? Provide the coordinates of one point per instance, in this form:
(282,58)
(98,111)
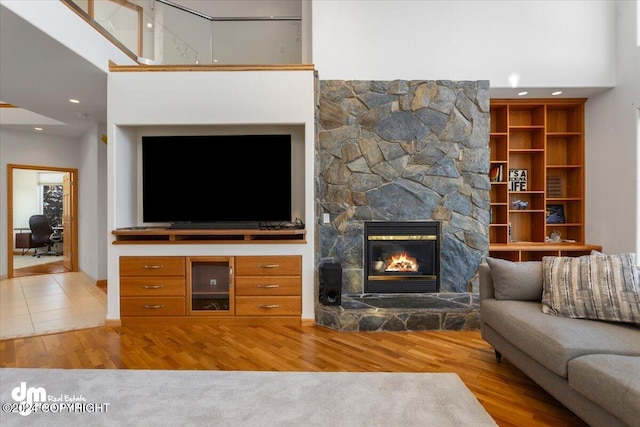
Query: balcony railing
(165,33)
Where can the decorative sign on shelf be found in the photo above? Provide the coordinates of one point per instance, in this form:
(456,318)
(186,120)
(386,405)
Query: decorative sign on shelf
(517,180)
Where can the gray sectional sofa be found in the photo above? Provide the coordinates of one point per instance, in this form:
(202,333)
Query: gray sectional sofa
(590,366)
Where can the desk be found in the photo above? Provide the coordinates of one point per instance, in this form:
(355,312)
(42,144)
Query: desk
(23,239)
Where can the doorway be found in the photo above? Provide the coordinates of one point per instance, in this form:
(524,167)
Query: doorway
(67,224)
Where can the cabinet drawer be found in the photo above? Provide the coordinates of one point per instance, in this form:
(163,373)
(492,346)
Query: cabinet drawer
(271,285)
(268,266)
(268,306)
(152,286)
(134,266)
(161,306)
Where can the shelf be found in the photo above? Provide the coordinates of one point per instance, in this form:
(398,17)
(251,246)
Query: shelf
(545,137)
(224,293)
(536,246)
(562,134)
(163,235)
(533,251)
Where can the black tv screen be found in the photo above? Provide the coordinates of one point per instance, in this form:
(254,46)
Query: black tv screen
(208,180)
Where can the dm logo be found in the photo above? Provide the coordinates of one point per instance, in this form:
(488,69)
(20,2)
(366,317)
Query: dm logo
(28,396)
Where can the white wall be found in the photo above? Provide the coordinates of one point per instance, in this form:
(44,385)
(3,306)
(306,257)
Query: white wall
(92,194)
(549,43)
(102,230)
(612,145)
(25,196)
(184,100)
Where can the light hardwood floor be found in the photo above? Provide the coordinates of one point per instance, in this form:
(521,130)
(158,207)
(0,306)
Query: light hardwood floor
(505,392)
(53,266)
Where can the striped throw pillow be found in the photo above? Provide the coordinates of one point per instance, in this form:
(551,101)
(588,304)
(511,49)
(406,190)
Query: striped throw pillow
(601,287)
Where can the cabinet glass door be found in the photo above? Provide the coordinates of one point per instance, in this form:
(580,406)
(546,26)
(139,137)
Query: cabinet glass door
(211,285)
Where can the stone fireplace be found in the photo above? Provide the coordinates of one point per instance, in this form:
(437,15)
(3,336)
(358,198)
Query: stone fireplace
(401,256)
(402,151)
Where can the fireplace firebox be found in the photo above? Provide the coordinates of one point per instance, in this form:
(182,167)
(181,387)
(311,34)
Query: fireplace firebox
(402,256)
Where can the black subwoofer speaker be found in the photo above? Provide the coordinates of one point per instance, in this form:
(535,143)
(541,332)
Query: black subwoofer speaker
(330,284)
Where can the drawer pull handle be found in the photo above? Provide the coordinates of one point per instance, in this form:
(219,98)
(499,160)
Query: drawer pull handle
(152,267)
(153,307)
(152,286)
(267,286)
(269,265)
(269,305)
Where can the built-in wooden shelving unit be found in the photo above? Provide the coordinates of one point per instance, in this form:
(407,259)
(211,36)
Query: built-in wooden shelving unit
(163,235)
(544,139)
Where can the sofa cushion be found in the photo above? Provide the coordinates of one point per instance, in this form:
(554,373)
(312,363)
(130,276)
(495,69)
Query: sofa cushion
(610,381)
(603,287)
(516,280)
(554,341)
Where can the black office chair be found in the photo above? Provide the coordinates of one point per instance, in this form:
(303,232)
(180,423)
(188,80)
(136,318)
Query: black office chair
(41,235)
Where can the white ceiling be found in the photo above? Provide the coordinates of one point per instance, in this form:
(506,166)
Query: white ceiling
(39,75)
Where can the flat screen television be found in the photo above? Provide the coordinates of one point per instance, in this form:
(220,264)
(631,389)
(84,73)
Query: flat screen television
(216,181)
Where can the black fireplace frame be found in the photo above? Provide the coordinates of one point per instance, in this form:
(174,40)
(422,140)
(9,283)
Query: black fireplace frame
(402,231)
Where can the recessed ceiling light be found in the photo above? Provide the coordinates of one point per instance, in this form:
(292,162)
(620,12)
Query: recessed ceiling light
(558,92)
(38,129)
(75,101)
(522,93)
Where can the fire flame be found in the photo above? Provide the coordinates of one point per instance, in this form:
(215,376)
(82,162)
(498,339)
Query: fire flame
(402,262)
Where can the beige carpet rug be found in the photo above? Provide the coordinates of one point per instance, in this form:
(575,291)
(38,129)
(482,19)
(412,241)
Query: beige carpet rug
(83,397)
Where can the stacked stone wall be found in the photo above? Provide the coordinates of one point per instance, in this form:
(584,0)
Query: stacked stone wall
(401,151)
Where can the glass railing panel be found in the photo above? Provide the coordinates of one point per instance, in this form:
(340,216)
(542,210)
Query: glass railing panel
(159,33)
(257,42)
(185,38)
(123,20)
(83,4)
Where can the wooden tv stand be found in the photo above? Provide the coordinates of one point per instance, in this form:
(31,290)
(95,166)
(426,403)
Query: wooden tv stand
(248,290)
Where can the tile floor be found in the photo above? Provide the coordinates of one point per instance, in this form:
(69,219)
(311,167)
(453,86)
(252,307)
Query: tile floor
(49,303)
